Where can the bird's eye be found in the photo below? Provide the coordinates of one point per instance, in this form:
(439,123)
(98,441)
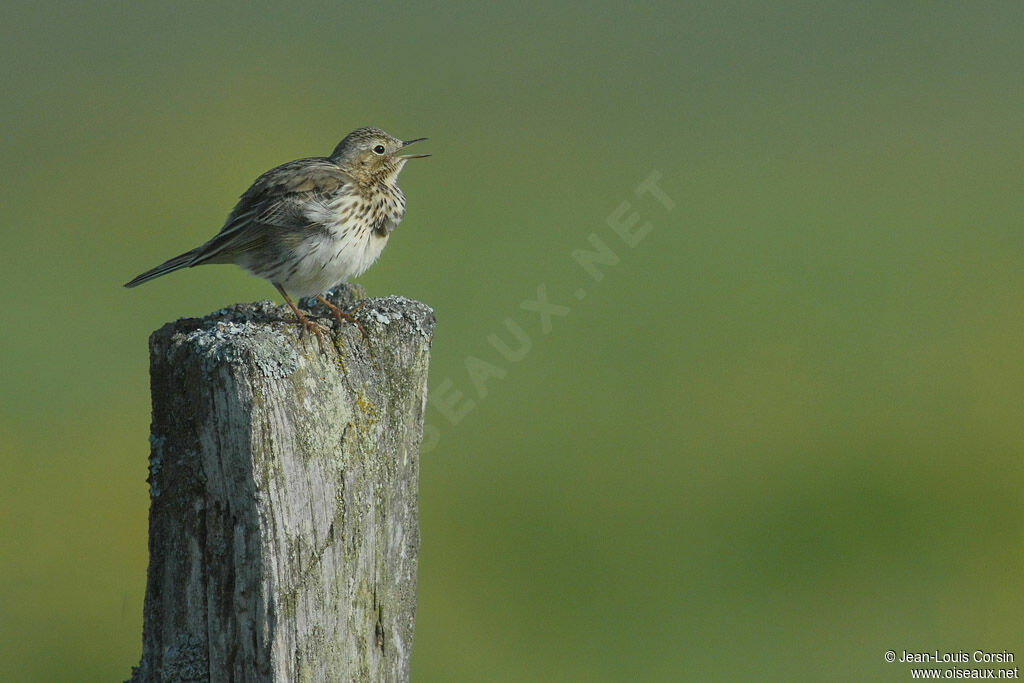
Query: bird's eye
(379,149)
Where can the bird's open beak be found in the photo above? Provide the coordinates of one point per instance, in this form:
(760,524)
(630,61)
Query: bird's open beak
(406,143)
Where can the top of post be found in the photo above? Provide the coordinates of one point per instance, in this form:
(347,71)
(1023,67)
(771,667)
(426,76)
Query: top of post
(265,334)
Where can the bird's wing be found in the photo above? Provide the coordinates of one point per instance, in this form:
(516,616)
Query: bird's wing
(275,203)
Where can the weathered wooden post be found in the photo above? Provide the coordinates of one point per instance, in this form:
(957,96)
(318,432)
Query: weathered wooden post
(283,528)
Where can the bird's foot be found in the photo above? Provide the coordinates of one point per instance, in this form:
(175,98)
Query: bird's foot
(342,317)
(314,328)
(308,325)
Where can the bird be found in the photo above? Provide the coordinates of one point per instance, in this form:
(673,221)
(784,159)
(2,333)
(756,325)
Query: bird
(310,224)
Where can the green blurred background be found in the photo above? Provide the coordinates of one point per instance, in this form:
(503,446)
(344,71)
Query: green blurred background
(781,436)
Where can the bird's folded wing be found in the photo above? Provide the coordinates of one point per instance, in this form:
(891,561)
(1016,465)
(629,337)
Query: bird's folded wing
(275,201)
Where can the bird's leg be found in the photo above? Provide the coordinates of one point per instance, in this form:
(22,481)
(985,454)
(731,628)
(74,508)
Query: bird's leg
(307,324)
(341,315)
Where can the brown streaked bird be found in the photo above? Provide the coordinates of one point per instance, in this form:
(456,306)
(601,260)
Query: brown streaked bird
(311,224)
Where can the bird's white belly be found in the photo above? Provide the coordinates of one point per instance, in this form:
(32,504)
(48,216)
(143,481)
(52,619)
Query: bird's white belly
(329,260)
(340,244)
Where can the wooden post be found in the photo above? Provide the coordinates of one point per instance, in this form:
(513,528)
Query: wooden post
(283,528)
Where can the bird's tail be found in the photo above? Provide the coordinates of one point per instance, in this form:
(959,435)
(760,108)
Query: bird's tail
(170,265)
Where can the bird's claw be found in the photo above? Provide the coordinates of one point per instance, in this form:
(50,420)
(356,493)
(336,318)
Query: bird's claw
(342,317)
(316,329)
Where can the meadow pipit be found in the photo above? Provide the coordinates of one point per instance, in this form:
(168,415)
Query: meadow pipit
(311,224)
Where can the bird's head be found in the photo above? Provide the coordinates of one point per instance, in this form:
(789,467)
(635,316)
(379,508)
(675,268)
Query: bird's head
(371,155)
